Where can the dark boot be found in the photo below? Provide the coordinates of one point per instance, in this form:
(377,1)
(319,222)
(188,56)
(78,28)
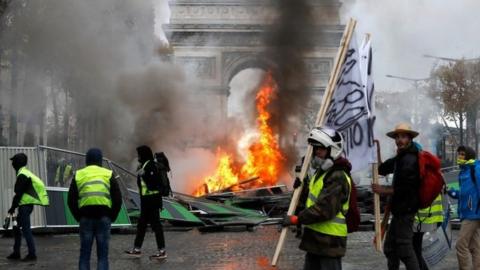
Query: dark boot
(29,258)
(14,256)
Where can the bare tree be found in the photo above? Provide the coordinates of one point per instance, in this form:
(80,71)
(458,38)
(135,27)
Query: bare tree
(459,92)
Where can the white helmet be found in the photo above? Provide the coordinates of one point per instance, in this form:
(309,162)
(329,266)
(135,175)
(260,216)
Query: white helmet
(328,138)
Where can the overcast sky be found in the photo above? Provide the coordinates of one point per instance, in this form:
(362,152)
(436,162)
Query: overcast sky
(403,31)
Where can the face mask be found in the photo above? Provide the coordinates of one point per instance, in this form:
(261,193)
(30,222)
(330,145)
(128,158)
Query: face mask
(319,163)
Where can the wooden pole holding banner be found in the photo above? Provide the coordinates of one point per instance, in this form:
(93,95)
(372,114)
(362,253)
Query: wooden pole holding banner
(376,202)
(376,205)
(340,58)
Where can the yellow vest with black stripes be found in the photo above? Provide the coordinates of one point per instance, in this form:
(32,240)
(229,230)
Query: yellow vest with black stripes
(93,183)
(336,226)
(432,214)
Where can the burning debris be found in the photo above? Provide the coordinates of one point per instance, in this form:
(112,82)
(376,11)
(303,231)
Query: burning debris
(264,161)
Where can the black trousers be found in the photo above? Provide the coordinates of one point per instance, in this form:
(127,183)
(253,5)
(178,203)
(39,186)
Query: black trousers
(417,246)
(398,244)
(316,262)
(149,215)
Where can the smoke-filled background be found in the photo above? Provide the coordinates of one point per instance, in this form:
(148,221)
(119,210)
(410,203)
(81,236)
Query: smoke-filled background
(402,33)
(89,74)
(288,41)
(94,67)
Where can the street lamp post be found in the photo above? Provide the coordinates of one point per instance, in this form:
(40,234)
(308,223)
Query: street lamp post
(415,82)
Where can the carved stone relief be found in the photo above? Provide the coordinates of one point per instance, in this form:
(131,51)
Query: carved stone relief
(319,66)
(202,67)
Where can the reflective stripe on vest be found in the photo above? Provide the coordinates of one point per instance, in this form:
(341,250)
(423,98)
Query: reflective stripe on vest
(39,195)
(93,183)
(336,226)
(432,214)
(145,190)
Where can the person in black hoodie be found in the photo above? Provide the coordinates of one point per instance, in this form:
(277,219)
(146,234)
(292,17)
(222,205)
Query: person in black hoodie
(94,198)
(148,181)
(404,202)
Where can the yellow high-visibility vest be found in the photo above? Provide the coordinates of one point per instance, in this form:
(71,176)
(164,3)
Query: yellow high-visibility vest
(336,226)
(145,191)
(93,183)
(40,195)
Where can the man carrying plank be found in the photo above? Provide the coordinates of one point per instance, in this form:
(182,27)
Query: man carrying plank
(325,234)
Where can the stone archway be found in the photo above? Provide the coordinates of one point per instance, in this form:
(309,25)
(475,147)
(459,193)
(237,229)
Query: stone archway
(216,39)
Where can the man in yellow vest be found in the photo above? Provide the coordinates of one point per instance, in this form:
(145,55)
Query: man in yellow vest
(149,185)
(63,173)
(94,198)
(29,191)
(325,229)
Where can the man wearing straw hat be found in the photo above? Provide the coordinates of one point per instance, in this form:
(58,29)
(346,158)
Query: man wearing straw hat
(404,202)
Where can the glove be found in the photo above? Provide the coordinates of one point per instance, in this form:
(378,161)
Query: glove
(11,211)
(296,183)
(289,220)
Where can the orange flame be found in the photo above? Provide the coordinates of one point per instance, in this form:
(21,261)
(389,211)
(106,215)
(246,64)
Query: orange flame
(223,177)
(264,158)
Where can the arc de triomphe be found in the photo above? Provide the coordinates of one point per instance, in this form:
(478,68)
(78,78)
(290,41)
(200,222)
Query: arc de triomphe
(216,39)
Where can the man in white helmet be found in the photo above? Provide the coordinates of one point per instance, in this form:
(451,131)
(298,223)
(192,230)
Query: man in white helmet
(325,230)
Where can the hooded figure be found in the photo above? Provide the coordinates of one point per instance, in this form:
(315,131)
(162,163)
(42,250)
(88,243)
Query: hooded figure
(144,154)
(148,182)
(94,158)
(94,198)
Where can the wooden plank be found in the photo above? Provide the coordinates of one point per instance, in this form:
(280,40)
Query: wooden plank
(340,58)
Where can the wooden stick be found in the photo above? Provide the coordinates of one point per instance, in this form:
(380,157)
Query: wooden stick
(340,58)
(241,182)
(376,205)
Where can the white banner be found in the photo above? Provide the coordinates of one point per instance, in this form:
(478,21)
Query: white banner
(351,109)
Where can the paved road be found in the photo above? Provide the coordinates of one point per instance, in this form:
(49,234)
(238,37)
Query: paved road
(194,250)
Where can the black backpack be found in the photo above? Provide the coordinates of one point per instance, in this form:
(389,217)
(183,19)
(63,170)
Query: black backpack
(162,165)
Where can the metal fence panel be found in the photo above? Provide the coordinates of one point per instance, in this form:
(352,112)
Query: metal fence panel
(45,162)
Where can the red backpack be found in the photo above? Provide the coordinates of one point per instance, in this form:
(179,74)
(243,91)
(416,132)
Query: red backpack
(352,217)
(431,178)
(353,214)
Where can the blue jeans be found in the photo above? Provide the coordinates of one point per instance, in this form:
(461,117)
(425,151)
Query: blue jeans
(23,223)
(90,228)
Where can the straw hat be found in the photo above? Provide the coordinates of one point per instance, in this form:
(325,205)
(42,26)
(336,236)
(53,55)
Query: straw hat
(402,128)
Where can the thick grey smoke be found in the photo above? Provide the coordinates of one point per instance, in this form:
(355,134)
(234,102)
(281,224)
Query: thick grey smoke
(92,66)
(288,40)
